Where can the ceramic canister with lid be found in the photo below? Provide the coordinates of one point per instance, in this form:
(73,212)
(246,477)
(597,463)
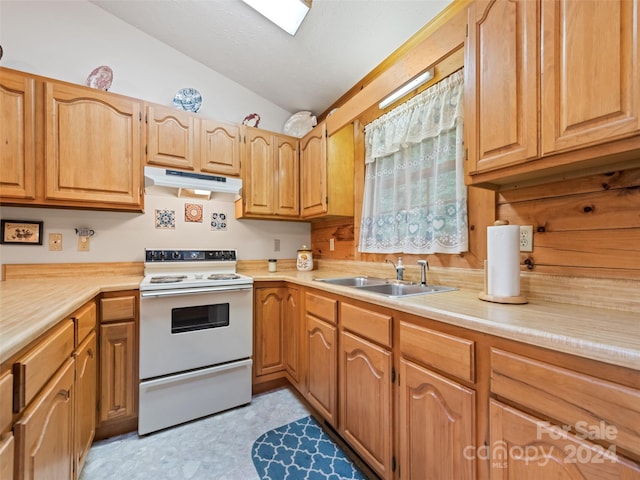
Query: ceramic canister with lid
(305,259)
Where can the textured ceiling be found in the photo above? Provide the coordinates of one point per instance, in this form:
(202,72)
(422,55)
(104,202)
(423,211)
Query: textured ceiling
(338,44)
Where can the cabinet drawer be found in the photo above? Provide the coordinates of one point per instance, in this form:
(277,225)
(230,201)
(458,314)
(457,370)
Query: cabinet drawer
(321,307)
(6,400)
(85,320)
(447,353)
(575,400)
(366,323)
(118,308)
(34,369)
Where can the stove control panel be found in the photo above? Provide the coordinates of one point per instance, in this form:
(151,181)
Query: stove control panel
(189,255)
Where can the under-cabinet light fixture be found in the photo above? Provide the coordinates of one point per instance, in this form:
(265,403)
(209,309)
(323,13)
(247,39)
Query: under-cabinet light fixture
(287,14)
(416,82)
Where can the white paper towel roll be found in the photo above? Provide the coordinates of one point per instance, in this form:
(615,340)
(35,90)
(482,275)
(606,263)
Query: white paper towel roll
(503,260)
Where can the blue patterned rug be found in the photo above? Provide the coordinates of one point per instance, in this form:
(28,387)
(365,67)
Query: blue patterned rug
(301,450)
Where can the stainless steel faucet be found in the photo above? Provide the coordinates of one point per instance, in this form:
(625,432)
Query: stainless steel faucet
(424,266)
(399,268)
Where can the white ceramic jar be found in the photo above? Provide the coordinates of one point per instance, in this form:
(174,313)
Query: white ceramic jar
(305,259)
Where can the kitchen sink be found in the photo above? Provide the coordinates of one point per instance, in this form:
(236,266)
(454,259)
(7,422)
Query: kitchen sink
(397,289)
(382,286)
(354,281)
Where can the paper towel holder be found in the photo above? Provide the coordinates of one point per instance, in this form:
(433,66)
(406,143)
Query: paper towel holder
(514,300)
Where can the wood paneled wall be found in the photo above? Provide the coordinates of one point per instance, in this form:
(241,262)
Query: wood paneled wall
(584,227)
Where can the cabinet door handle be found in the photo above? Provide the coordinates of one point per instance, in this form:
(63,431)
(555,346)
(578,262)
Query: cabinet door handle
(90,352)
(65,394)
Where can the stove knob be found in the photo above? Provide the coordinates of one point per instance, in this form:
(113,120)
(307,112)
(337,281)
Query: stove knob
(161,255)
(193,255)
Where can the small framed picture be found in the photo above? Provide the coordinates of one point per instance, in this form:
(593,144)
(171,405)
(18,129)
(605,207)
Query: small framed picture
(20,232)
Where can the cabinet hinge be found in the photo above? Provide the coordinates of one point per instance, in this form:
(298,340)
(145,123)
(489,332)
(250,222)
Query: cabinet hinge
(467,31)
(393,374)
(393,463)
(466,154)
(140,116)
(326,200)
(146,149)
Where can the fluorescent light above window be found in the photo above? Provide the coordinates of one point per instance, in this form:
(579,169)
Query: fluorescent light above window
(287,14)
(421,79)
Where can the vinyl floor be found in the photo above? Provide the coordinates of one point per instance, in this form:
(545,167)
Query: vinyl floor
(217,447)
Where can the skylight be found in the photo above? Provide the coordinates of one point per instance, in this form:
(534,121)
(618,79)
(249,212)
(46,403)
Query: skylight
(287,14)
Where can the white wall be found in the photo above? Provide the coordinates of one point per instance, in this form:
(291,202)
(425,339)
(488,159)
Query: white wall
(122,237)
(66,40)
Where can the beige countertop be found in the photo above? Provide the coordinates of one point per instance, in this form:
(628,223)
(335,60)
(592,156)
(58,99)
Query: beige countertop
(29,308)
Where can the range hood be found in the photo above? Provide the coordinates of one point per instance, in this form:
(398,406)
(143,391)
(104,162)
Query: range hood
(163,177)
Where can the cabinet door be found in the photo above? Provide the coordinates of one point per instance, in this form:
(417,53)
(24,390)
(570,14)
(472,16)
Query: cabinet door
(501,78)
(259,172)
(17,136)
(365,401)
(590,87)
(171,137)
(287,197)
(92,147)
(322,367)
(313,172)
(86,401)
(117,371)
(269,314)
(437,426)
(44,433)
(219,148)
(525,448)
(293,339)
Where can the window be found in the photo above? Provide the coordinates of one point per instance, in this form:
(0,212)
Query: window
(415,200)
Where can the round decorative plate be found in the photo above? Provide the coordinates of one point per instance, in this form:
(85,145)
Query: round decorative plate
(100,78)
(188,99)
(299,124)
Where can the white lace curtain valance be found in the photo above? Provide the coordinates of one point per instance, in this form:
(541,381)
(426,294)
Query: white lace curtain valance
(415,200)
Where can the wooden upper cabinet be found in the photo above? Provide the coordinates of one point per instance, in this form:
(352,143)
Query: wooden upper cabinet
(92,147)
(551,89)
(259,172)
(17,135)
(326,173)
(171,137)
(287,198)
(590,83)
(270,175)
(501,84)
(313,172)
(219,148)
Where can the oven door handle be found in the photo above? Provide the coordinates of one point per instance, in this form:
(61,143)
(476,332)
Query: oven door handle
(195,291)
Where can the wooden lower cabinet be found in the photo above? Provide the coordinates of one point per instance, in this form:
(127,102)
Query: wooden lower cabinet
(268,330)
(86,398)
(118,368)
(437,419)
(365,371)
(44,433)
(322,372)
(293,338)
(523,447)
(118,383)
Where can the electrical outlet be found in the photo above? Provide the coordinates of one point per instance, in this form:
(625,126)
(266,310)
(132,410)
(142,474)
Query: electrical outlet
(55,242)
(276,244)
(83,244)
(526,238)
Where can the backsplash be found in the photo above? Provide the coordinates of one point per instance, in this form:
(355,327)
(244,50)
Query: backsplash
(168,222)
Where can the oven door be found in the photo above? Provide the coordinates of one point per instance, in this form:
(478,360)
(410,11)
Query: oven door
(187,329)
